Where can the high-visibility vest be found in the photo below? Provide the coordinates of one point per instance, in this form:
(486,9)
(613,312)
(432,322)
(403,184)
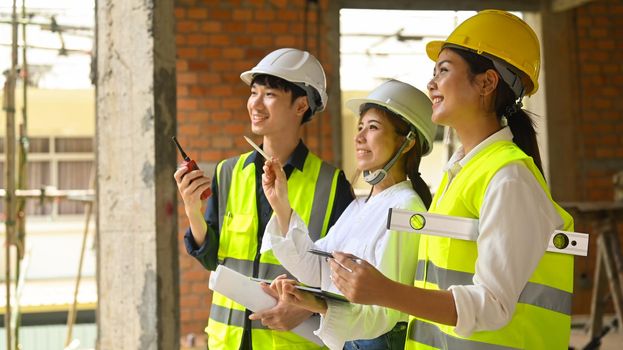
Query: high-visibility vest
(542,317)
(311,193)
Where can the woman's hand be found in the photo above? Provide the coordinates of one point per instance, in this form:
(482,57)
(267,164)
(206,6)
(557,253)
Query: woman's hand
(359,281)
(289,294)
(275,185)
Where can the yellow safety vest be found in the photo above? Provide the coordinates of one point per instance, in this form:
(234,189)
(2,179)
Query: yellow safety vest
(542,315)
(311,193)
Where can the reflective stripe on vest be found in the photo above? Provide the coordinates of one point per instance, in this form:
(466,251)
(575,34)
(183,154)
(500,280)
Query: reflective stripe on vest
(238,240)
(428,334)
(245,267)
(224,183)
(542,314)
(533,293)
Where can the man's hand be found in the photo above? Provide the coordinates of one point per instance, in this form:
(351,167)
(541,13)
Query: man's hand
(275,185)
(191,185)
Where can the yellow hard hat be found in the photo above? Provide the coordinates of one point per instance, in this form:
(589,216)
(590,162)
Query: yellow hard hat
(502,35)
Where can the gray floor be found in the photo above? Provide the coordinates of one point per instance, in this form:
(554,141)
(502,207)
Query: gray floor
(613,340)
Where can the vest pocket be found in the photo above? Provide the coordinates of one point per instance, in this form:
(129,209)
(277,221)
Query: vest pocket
(237,236)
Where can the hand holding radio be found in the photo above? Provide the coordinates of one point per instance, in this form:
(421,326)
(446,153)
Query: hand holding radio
(190,165)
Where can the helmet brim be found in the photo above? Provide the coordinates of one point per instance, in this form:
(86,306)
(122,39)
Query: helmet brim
(433,48)
(247,78)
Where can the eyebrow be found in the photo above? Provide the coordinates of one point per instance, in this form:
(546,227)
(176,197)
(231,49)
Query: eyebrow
(371,121)
(444,61)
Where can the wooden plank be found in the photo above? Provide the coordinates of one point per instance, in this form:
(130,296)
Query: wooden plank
(597,306)
(564,5)
(452,5)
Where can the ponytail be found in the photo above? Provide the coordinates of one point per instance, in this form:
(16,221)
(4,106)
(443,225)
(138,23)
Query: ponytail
(412,166)
(506,105)
(522,126)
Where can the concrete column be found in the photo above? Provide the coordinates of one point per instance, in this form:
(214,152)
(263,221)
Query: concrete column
(560,71)
(137,263)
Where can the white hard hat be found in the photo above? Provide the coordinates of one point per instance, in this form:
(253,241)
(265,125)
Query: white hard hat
(298,67)
(406,101)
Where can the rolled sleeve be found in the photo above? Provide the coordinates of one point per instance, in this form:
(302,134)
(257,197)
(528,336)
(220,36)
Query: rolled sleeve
(291,249)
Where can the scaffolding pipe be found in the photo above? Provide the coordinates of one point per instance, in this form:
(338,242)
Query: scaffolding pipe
(51,193)
(22,178)
(71,318)
(9,107)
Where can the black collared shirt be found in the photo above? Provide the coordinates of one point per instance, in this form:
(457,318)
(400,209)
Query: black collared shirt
(207,253)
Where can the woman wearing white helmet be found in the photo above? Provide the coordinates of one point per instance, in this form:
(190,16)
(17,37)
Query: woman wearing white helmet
(503,291)
(395,131)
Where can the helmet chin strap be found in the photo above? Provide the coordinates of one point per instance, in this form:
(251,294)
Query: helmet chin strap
(378,175)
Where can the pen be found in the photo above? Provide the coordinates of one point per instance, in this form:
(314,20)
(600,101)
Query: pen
(255,279)
(257,148)
(330,256)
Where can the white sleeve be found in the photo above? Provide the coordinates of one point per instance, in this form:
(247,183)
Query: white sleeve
(291,250)
(396,254)
(516,221)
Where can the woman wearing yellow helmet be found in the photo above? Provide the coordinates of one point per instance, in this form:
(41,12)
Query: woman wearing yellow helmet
(503,290)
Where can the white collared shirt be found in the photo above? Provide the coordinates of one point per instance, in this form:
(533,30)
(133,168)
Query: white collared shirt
(516,221)
(361,230)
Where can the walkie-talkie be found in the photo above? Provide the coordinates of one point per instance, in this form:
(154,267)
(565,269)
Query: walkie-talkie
(190,166)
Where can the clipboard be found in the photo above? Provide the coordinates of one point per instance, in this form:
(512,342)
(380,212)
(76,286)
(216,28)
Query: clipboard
(323,294)
(315,291)
(248,293)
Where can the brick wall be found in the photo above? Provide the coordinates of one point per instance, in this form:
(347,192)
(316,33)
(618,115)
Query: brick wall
(216,41)
(599,30)
(600,61)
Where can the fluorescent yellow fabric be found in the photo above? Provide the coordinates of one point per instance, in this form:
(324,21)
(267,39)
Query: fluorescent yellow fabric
(539,322)
(238,246)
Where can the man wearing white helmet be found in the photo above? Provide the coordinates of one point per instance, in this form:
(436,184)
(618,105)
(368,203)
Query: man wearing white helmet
(288,87)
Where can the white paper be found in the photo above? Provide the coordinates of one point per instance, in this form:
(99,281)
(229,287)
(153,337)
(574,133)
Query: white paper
(248,293)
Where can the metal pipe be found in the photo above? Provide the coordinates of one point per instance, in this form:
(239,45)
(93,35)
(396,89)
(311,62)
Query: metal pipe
(9,107)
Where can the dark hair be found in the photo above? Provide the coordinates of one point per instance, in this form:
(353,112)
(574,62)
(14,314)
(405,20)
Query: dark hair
(274,82)
(518,120)
(413,157)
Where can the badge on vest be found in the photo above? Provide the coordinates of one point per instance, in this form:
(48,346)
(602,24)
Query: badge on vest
(565,242)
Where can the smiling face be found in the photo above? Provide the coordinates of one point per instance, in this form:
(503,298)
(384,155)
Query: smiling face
(272,110)
(454,92)
(376,140)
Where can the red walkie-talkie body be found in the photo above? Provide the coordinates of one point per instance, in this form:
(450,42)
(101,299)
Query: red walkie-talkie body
(190,166)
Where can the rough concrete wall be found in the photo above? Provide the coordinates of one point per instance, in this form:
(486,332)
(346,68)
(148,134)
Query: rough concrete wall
(216,41)
(137,256)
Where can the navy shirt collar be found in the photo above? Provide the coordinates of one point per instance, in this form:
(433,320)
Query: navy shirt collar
(296,160)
